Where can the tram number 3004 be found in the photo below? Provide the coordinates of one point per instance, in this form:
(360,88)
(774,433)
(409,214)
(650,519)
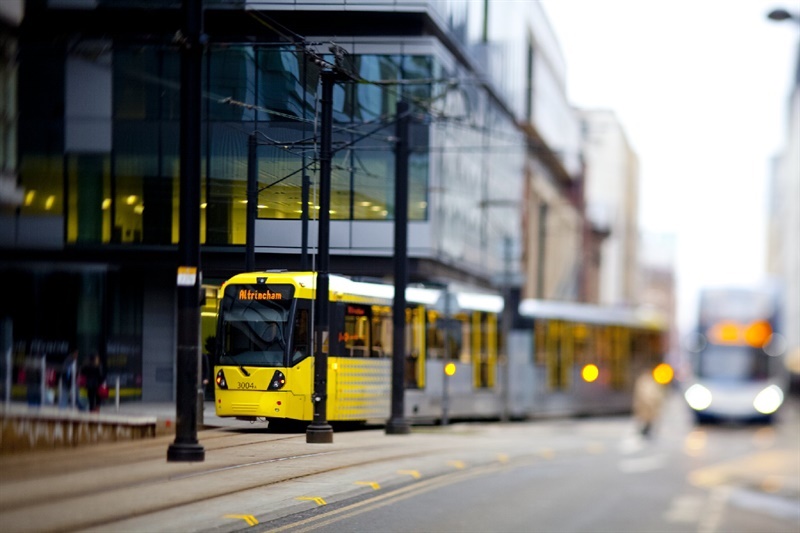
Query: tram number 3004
(245,385)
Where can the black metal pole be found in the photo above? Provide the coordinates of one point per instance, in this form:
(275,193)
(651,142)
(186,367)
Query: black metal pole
(319,431)
(252,203)
(397,424)
(445,375)
(304,224)
(185,447)
(506,328)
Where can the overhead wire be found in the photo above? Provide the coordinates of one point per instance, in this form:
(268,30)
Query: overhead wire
(395,87)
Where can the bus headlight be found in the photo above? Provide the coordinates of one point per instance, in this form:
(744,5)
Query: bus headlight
(698,397)
(768,400)
(220,380)
(278,381)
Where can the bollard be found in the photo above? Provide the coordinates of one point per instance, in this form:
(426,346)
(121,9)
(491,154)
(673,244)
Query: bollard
(7,343)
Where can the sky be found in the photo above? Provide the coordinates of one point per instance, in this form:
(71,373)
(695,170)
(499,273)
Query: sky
(701,88)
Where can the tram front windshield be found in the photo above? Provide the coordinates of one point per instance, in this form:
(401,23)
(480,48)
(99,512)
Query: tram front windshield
(732,363)
(254,326)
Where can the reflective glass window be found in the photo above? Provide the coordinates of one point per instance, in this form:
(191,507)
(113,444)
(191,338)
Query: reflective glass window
(231,82)
(42,179)
(287,84)
(142,200)
(89,199)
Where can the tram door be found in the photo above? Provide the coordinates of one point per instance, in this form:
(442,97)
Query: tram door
(484,349)
(415,348)
(554,350)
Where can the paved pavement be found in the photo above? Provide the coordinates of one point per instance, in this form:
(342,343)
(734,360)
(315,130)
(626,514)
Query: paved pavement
(130,487)
(166,414)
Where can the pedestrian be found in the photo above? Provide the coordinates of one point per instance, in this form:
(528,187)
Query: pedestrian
(69,376)
(648,398)
(94,375)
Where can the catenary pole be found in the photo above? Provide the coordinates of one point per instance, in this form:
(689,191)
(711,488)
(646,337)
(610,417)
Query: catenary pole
(397,424)
(319,431)
(186,447)
(252,203)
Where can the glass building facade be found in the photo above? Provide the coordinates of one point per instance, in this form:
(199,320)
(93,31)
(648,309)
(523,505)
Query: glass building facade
(99,144)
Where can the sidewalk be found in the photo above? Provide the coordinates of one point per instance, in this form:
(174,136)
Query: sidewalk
(25,427)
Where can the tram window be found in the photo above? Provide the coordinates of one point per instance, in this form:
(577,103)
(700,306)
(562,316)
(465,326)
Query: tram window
(580,334)
(444,338)
(300,337)
(253,332)
(413,348)
(356,334)
(381,332)
(732,363)
(540,342)
(435,336)
(602,345)
(465,351)
(483,357)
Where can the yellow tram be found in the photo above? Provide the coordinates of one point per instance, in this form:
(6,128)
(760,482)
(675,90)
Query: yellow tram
(557,359)
(265,363)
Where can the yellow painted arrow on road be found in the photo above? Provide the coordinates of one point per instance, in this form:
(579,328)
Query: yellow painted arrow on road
(372,484)
(250,519)
(412,473)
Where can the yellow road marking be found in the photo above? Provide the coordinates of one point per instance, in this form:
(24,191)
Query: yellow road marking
(502,457)
(250,519)
(412,473)
(315,499)
(457,464)
(372,484)
(547,453)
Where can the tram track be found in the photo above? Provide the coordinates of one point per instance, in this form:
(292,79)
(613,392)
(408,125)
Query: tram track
(92,495)
(43,462)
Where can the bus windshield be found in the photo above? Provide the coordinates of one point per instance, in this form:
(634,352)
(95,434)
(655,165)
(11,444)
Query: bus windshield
(254,324)
(732,363)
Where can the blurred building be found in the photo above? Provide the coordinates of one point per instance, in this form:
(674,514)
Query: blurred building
(555,230)
(783,245)
(612,204)
(89,243)
(657,294)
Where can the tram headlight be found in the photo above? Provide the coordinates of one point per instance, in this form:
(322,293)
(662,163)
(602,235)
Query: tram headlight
(220,380)
(278,381)
(698,397)
(768,400)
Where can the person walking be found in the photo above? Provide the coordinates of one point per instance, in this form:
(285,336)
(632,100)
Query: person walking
(68,395)
(648,398)
(94,375)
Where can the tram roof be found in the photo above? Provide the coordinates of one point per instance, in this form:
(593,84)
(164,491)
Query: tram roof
(591,314)
(460,299)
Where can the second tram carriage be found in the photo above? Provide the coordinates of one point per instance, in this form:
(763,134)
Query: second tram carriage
(264,364)
(736,357)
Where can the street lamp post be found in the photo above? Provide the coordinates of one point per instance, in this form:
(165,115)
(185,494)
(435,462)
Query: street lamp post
(252,201)
(781,14)
(185,448)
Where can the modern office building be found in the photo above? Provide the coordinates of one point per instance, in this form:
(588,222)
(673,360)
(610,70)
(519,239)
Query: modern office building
(89,237)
